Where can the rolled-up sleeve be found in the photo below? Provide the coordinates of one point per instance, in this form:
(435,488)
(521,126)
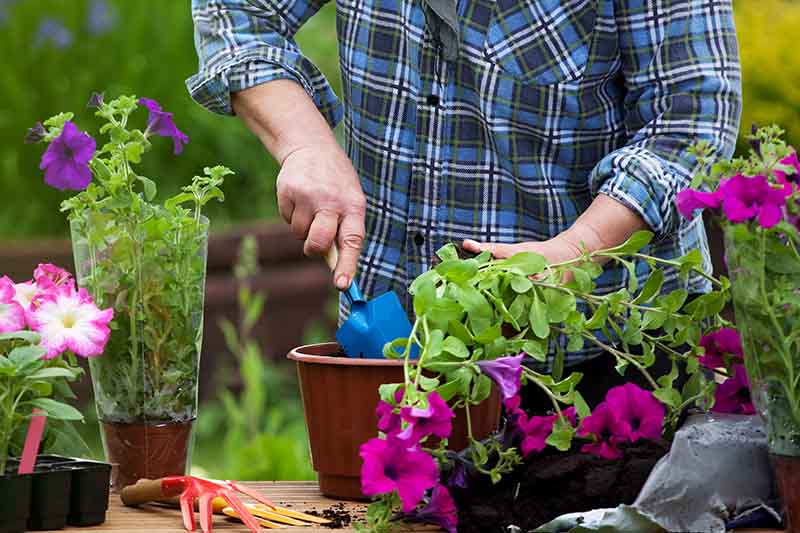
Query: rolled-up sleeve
(243,43)
(683,79)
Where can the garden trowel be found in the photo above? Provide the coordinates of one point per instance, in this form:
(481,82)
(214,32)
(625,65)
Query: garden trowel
(372,323)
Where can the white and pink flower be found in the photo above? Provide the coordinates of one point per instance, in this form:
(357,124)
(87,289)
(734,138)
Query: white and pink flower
(68,319)
(48,276)
(12,314)
(24,293)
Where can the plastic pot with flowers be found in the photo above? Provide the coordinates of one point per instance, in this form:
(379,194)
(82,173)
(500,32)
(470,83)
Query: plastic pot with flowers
(44,324)
(755,200)
(480,321)
(145,260)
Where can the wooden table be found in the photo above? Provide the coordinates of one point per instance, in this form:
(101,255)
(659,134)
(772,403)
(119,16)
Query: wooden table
(297,495)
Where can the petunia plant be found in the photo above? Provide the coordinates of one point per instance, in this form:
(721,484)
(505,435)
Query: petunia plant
(44,324)
(755,199)
(144,259)
(482,321)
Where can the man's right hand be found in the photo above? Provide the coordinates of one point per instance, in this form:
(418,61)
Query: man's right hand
(320,196)
(319,192)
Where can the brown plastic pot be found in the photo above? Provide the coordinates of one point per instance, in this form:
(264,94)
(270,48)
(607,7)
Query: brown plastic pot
(339,399)
(787,473)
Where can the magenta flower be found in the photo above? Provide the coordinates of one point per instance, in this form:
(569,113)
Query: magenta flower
(608,431)
(717,345)
(48,277)
(689,200)
(745,198)
(68,319)
(435,419)
(389,464)
(161,123)
(638,409)
(389,421)
(66,160)
(789,161)
(537,428)
(733,394)
(513,410)
(441,510)
(12,314)
(505,372)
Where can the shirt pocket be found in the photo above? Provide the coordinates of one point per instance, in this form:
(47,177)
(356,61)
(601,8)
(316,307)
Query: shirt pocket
(541,42)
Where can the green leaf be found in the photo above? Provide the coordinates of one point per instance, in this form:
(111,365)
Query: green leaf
(581,407)
(521,284)
(538,319)
(447,252)
(149,188)
(27,336)
(519,309)
(668,396)
(424,296)
(455,346)
(561,437)
(621,366)
(459,330)
(559,304)
(635,243)
(458,271)
(171,203)
(535,350)
(651,288)
(428,384)
(448,390)
(51,373)
(387,392)
(599,317)
(24,357)
(395,348)
(582,280)
(524,263)
(633,279)
(57,410)
(558,363)
(481,389)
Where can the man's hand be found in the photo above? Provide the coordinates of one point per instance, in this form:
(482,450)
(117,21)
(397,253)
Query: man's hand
(319,192)
(320,196)
(605,224)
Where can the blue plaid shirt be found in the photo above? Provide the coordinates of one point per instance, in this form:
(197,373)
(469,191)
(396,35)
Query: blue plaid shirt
(549,103)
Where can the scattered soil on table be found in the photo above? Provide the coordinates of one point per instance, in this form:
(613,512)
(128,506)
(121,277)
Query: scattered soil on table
(551,484)
(337,514)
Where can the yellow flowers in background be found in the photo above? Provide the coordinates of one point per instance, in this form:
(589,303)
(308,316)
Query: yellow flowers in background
(769,45)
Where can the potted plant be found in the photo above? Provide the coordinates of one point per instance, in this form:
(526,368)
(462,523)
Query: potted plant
(148,262)
(44,324)
(755,200)
(481,321)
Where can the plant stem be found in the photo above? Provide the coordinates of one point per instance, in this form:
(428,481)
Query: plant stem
(534,376)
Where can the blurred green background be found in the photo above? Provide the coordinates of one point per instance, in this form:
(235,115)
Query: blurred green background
(56,52)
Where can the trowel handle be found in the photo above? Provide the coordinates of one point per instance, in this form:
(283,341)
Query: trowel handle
(353,293)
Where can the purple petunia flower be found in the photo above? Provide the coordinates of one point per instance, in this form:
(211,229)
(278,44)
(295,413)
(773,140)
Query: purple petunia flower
(54,32)
(505,372)
(66,160)
(745,198)
(639,409)
(538,428)
(733,394)
(389,464)
(688,201)
(95,100)
(161,123)
(435,419)
(608,431)
(441,510)
(717,345)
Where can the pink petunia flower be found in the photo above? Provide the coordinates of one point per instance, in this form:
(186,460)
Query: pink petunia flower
(638,409)
(733,394)
(441,510)
(745,198)
(688,201)
(68,319)
(435,419)
(389,421)
(390,464)
(505,372)
(48,277)
(12,314)
(537,428)
(717,345)
(608,430)
(789,161)
(24,293)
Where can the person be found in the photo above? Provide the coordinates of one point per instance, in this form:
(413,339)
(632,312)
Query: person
(505,125)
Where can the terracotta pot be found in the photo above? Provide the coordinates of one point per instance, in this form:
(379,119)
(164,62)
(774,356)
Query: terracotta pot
(147,451)
(787,474)
(339,398)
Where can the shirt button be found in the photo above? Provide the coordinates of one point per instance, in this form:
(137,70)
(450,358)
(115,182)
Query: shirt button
(432,99)
(419,239)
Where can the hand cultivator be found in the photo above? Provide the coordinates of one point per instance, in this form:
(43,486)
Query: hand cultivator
(215,497)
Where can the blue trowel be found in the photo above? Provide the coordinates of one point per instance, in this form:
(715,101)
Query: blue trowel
(372,323)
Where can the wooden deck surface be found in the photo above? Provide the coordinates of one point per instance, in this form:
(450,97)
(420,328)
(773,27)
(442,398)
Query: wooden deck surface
(297,495)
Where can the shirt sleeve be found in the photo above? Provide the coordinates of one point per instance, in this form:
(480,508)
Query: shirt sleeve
(243,43)
(681,69)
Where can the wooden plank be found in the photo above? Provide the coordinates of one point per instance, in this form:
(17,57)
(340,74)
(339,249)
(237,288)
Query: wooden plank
(297,495)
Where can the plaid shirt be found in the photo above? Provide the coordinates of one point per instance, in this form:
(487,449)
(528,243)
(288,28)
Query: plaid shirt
(549,103)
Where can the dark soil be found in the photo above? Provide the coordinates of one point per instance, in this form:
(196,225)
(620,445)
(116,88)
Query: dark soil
(337,514)
(551,484)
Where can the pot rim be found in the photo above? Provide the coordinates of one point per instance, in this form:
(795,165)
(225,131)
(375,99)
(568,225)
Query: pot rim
(308,354)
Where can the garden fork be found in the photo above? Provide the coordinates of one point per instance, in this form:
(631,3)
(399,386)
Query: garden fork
(211,495)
